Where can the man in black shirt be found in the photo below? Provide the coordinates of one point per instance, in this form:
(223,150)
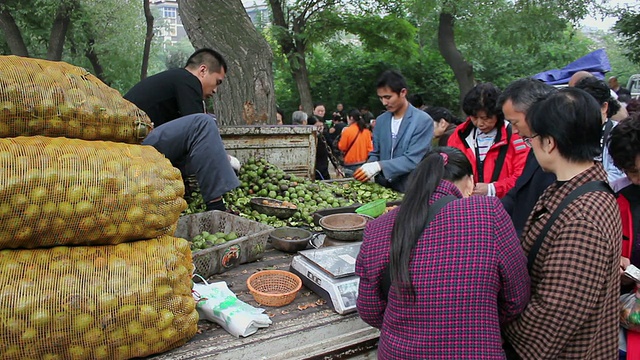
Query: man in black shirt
(178,92)
(183,132)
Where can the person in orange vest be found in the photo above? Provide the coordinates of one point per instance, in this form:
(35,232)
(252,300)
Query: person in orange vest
(356,142)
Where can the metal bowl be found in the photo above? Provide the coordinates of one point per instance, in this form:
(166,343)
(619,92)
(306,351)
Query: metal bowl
(345,226)
(279,212)
(290,239)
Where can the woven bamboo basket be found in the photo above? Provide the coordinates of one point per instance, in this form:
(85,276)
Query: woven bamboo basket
(274,287)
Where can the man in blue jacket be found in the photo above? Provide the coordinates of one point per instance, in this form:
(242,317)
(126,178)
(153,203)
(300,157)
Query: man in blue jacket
(401,138)
(515,101)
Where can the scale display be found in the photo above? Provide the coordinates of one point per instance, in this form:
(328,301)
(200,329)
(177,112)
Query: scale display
(337,261)
(330,273)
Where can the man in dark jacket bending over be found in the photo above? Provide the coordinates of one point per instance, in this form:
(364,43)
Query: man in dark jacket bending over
(515,101)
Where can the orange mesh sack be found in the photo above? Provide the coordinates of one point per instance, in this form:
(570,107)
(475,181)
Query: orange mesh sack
(59,191)
(40,97)
(96,302)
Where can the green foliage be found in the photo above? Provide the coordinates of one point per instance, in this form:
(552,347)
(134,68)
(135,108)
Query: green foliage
(390,32)
(621,65)
(37,16)
(176,55)
(113,29)
(628,27)
(119,52)
(346,72)
(345,68)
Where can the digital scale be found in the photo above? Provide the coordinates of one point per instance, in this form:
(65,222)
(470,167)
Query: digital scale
(330,273)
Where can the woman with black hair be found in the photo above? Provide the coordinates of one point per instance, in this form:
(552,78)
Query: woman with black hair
(624,147)
(444,124)
(608,107)
(355,141)
(572,239)
(441,273)
(497,155)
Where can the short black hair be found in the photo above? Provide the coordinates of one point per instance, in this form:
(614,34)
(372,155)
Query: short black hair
(624,143)
(209,57)
(483,97)
(601,92)
(312,119)
(633,106)
(437,113)
(416,100)
(625,98)
(393,80)
(573,119)
(525,92)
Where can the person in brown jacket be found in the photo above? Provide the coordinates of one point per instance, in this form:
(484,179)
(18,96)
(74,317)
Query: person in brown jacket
(575,280)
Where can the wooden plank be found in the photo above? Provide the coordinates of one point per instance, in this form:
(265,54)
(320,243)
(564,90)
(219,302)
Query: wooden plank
(313,331)
(291,148)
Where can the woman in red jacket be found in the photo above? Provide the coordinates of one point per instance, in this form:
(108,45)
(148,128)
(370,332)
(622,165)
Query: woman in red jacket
(497,155)
(355,141)
(624,148)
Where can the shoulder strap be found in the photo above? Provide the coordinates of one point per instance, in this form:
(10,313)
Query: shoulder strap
(583,189)
(353,142)
(501,156)
(434,209)
(607,130)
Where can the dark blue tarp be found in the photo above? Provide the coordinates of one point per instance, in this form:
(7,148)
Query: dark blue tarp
(597,63)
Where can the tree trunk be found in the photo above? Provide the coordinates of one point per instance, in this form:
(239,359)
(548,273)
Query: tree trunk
(59,30)
(247,95)
(294,50)
(301,75)
(12,34)
(95,62)
(147,40)
(447,46)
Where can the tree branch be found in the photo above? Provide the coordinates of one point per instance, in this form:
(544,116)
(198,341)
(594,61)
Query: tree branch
(449,51)
(12,34)
(59,29)
(95,62)
(147,40)
(284,39)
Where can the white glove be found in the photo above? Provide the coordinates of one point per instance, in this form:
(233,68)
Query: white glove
(235,163)
(371,169)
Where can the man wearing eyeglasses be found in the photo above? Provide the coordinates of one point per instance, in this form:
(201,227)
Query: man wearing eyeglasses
(515,101)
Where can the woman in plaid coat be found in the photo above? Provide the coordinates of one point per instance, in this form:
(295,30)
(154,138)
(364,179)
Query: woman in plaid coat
(575,280)
(453,281)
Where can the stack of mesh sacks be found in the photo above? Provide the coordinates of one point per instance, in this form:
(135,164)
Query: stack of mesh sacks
(88,266)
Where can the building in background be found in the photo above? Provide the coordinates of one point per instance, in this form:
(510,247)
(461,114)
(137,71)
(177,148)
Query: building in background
(258,11)
(171,29)
(168,20)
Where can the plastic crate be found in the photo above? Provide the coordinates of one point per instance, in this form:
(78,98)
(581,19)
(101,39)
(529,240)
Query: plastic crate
(248,247)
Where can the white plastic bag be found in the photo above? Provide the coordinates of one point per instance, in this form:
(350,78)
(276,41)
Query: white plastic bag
(218,304)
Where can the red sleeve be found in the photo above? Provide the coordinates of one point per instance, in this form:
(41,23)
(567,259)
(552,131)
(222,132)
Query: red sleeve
(514,163)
